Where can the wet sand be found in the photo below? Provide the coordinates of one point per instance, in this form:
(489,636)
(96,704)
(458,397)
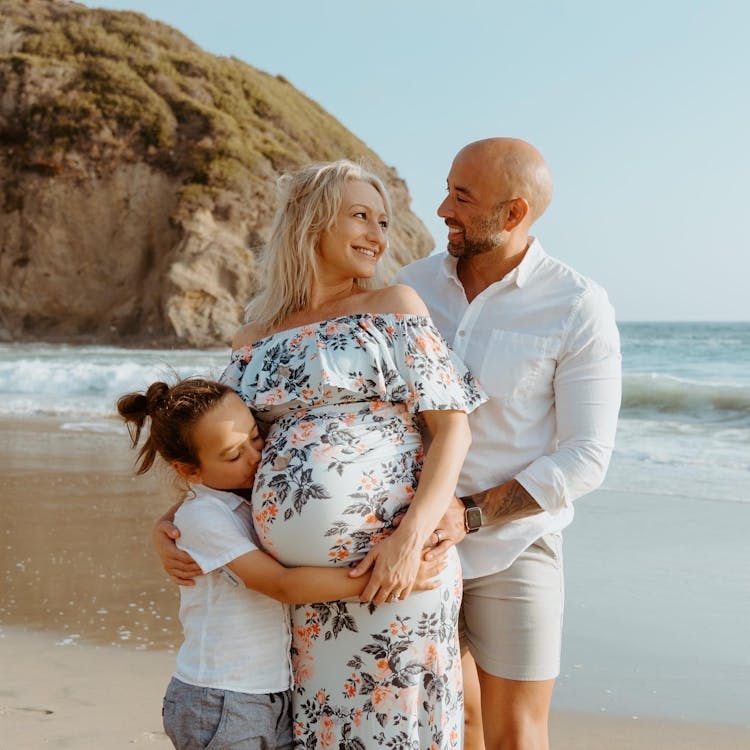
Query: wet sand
(88,621)
(75,552)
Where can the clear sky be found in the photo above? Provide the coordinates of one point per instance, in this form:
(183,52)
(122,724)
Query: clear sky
(642,110)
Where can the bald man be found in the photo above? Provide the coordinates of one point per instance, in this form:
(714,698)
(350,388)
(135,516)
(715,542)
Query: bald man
(543,343)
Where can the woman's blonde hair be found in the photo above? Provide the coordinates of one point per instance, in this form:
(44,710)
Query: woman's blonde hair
(308,204)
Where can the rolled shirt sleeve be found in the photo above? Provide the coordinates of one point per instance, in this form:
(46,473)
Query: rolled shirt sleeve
(588,387)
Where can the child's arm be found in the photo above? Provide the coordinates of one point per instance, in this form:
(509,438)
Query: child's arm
(261,572)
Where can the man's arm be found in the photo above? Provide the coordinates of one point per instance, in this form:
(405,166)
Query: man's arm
(508,502)
(502,504)
(587,387)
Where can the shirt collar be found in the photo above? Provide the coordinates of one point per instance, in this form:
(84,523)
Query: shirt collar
(449,269)
(530,262)
(519,275)
(230,498)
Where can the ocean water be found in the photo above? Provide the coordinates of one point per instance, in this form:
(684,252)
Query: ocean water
(684,426)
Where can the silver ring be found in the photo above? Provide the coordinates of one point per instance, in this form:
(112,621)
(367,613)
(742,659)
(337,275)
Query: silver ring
(438,537)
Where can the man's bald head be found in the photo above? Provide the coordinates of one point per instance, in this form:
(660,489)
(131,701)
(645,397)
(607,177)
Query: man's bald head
(516,167)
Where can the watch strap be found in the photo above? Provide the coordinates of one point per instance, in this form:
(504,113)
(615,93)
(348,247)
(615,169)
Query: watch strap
(468,501)
(472,514)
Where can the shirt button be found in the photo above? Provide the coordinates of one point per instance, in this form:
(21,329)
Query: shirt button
(462,333)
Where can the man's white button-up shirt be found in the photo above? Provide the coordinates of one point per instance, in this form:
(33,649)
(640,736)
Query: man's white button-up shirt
(544,345)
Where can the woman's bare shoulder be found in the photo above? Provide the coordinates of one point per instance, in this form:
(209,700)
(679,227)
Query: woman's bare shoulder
(246,336)
(398,298)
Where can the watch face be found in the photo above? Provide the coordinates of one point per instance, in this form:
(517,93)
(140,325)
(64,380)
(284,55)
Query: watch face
(473,518)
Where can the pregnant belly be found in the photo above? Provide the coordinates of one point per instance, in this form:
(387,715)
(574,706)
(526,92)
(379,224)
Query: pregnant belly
(330,483)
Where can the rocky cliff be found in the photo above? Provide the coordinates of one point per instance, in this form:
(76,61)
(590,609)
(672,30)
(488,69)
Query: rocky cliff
(137,175)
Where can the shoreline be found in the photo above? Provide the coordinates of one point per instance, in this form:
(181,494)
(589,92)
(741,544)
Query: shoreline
(88,621)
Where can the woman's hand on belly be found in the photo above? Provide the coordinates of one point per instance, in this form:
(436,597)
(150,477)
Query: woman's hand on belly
(395,562)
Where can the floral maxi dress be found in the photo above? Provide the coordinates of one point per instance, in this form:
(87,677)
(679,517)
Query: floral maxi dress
(342,399)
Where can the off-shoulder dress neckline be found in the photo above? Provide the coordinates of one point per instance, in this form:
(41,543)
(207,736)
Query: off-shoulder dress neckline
(425,319)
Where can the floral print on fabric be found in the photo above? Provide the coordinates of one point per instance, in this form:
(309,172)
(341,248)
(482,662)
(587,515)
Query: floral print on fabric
(342,399)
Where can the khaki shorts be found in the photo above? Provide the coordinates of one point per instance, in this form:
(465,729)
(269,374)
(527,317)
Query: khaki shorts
(511,621)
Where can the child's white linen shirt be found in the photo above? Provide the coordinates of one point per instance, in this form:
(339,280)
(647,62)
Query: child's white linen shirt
(235,638)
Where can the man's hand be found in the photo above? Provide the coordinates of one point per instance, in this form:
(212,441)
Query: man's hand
(451,530)
(179,566)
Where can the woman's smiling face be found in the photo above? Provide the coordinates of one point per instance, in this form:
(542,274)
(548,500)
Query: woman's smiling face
(358,237)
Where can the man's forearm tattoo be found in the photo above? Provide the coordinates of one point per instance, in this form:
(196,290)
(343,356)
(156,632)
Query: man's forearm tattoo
(514,502)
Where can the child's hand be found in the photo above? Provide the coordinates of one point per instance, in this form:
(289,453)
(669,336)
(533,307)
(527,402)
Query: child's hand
(429,570)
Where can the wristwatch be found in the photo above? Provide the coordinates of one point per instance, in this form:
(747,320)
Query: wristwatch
(472,515)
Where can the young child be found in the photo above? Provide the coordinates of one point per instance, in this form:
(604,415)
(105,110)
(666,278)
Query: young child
(232,684)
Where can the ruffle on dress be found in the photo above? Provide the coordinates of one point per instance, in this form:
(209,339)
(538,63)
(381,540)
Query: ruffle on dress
(394,357)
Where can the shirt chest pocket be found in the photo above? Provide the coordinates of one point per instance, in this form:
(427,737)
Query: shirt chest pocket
(517,366)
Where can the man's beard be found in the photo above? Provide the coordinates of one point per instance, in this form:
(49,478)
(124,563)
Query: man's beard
(470,248)
(484,236)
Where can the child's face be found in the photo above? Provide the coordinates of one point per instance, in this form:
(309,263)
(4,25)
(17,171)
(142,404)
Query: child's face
(228,445)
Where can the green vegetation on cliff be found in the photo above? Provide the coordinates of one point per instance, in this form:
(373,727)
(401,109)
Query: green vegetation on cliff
(117,84)
(137,178)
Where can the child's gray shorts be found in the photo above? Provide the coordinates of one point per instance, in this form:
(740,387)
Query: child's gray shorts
(199,718)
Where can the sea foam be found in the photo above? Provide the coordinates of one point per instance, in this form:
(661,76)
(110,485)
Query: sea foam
(684,424)
(43,380)
(660,395)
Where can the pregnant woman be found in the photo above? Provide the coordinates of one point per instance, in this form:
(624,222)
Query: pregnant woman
(348,380)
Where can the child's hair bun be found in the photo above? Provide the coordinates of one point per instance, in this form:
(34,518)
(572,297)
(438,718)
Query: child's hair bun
(156,398)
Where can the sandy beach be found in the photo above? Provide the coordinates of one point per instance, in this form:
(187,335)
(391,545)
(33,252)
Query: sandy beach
(63,694)
(88,622)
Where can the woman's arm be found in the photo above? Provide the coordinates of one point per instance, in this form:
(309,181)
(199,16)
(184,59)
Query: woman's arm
(397,558)
(261,572)
(178,565)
